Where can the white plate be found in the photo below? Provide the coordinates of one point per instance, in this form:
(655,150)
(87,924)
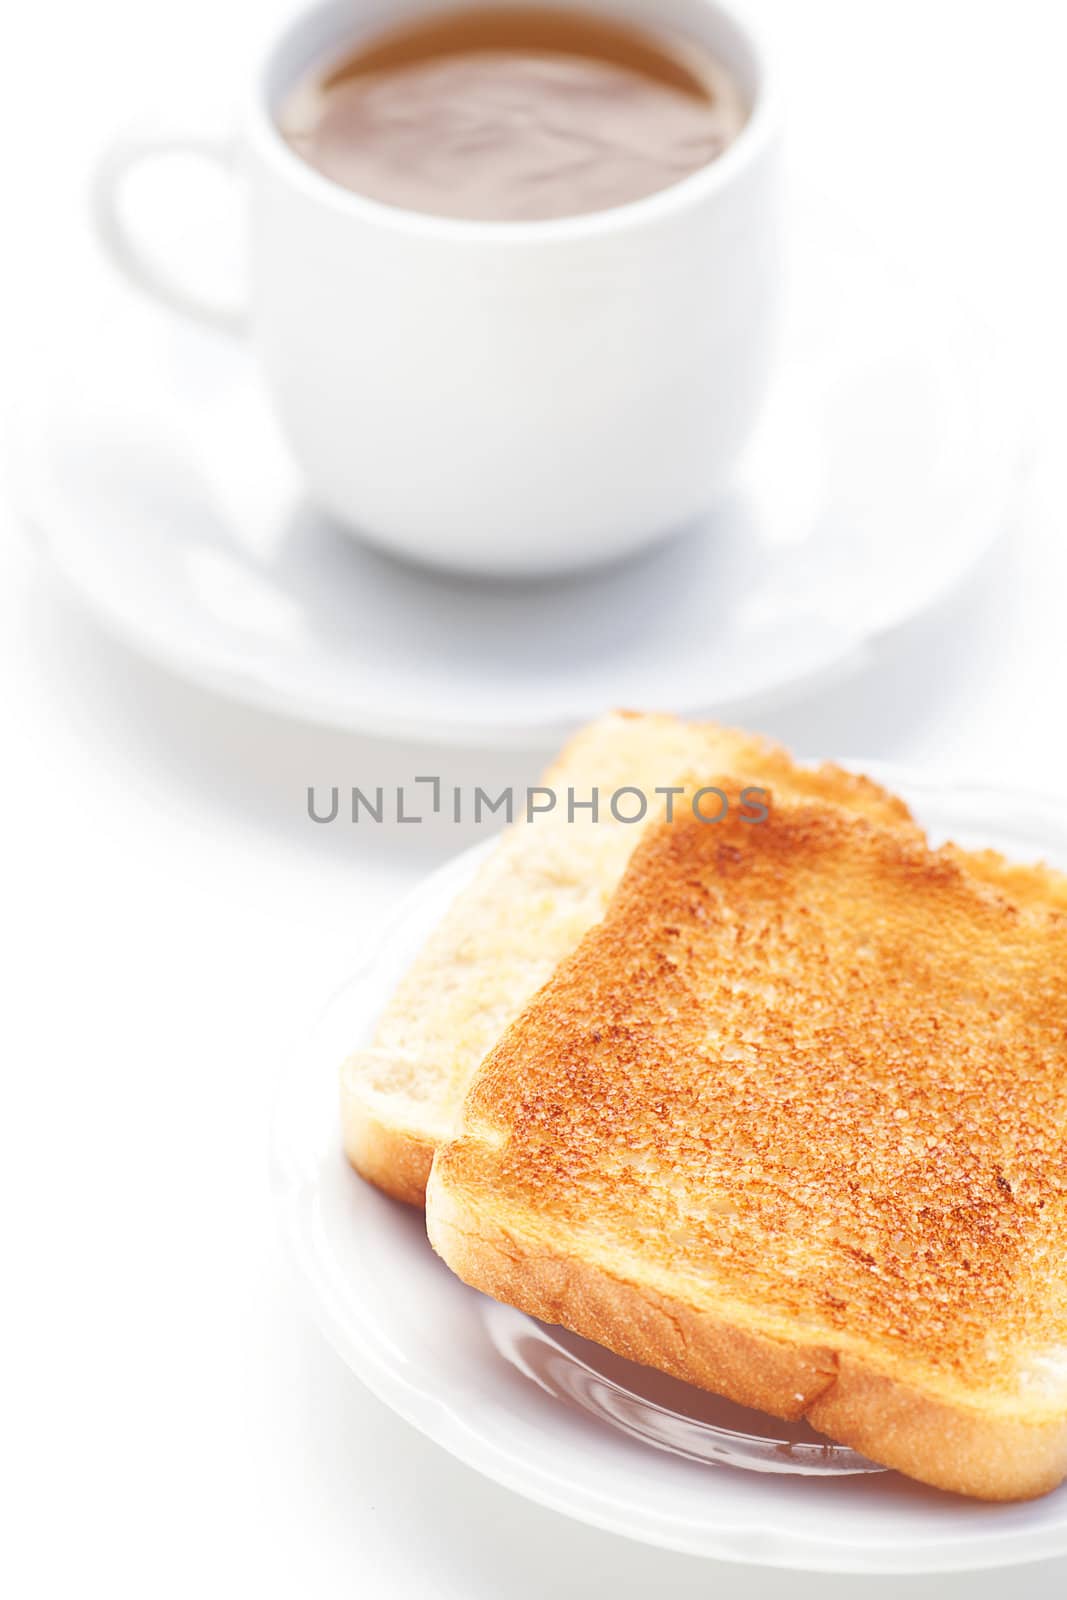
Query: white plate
(878,476)
(564,1422)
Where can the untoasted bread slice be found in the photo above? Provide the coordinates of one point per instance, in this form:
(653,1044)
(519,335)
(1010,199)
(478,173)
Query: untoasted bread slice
(791,1124)
(544,885)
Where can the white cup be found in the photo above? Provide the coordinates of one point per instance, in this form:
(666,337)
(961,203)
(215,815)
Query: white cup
(502,398)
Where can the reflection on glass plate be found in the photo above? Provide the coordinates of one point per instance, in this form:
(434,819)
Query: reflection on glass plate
(659,1410)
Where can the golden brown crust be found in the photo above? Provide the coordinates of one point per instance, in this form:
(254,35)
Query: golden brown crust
(534,898)
(654,1329)
(808,1080)
(396,1160)
(965,1452)
(1036,886)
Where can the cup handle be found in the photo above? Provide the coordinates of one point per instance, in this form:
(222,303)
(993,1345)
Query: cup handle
(131,150)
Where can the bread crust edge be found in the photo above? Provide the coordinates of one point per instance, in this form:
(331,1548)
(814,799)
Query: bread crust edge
(393,1159)
(964,1452)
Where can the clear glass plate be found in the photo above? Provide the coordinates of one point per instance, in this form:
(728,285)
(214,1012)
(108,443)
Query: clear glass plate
(563,1421)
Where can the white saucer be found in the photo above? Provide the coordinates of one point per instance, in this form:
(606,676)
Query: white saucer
(562,1421)
(879,475)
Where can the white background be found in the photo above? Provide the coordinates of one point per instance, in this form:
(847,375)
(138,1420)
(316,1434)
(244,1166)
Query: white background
(173,1422)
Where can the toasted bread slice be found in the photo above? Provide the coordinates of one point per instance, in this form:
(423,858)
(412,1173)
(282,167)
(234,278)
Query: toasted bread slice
(542,887)
(1022,883)
(791,1124)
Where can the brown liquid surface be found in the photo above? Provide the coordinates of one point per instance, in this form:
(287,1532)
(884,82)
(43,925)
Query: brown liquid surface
(513,115)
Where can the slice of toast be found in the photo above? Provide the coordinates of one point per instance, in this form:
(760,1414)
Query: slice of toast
(542,887)
(1023,883)
(791,1124)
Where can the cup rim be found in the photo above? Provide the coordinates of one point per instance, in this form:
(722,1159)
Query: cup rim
(758,132)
